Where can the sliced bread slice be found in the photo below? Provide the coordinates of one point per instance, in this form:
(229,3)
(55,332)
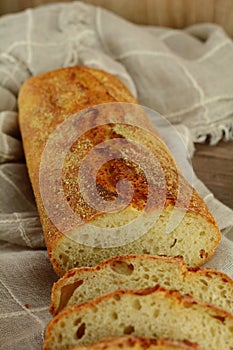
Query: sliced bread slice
(152,312)
(138,343)
(138,272)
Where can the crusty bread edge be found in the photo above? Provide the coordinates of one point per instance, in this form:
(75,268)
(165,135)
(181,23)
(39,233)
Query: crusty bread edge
(178,261)
(171,294)
(132,341)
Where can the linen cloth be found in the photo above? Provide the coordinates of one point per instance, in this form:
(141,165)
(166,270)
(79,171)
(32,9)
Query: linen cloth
(184,75)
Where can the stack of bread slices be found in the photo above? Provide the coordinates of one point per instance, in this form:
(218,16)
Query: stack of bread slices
(145,296)
(148,293)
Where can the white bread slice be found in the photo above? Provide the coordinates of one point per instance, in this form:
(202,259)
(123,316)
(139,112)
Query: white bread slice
(153,313)
(138,343)
(138,272)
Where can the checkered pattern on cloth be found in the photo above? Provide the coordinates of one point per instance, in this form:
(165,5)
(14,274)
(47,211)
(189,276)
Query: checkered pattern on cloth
(184,75)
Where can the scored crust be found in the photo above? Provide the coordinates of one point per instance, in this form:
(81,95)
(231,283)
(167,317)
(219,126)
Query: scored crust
(45,102)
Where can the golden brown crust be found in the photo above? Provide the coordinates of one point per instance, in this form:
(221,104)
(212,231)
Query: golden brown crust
(142,343)
(182,299)
(47,100)
(178,261)
(173,294)
(44,103)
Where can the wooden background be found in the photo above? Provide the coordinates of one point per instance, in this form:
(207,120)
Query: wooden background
(214,165)
(173,13)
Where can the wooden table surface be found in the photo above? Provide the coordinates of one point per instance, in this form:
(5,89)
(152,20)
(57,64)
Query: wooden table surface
(214,166)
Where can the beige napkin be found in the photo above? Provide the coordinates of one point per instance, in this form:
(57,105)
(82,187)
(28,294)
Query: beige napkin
(184,75)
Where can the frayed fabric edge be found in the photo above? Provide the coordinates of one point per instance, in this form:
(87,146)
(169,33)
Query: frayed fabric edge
(215,133)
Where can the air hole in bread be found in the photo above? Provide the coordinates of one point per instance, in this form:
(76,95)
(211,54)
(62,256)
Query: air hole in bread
(129,329)
(223,293)
(114,316)
(122,268)
(203,254)
(95,309)
(137,305)
(76,264)
(156,313)
(155,279)
(220,318)
(77,321)
(67,292)
(116,297)
(64,259)
(220,287)
(81,331)
(146,268)
(60,338)
(212,331)
(174,243)
(203,282)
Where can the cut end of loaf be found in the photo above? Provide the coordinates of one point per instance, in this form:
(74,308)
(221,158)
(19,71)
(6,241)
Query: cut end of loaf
(194,239)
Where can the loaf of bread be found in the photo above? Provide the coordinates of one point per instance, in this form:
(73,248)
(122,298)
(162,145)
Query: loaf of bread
(45,103)
(138,343)
(142,271)
(152,313)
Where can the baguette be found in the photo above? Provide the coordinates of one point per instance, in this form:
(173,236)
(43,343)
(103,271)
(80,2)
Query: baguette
(152,313)
(138,272)
(138,343)
(45,102)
